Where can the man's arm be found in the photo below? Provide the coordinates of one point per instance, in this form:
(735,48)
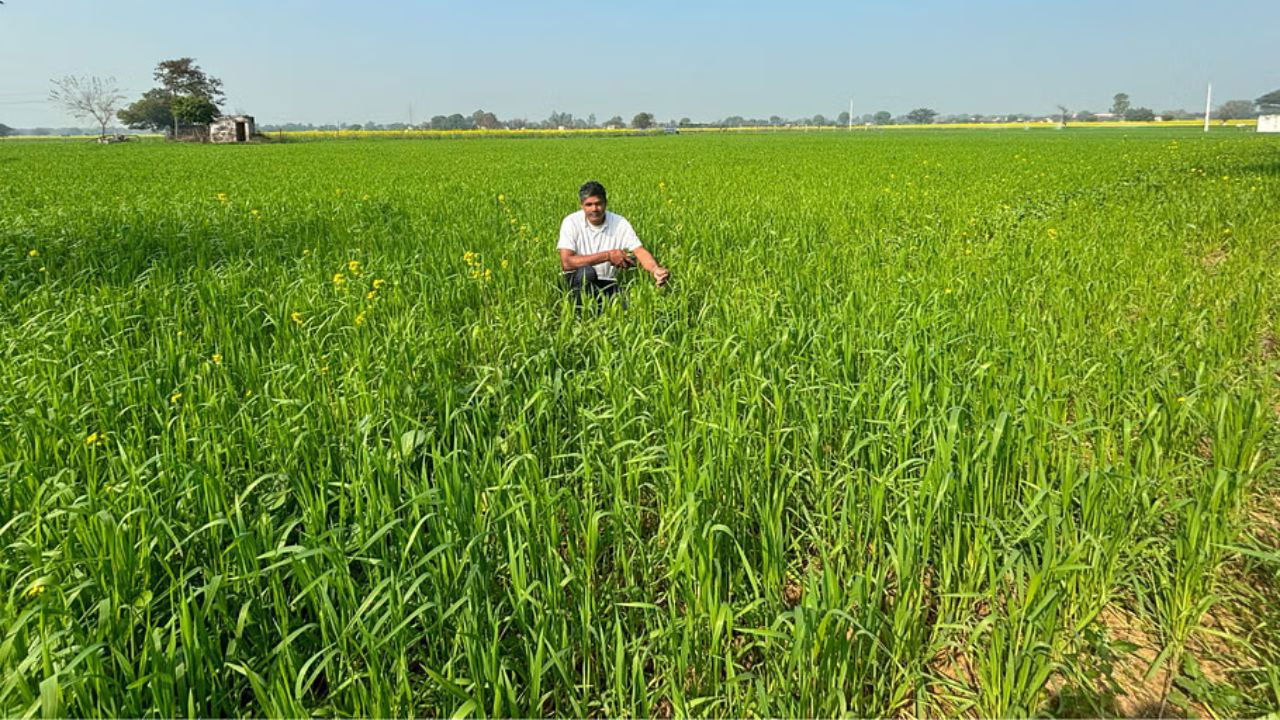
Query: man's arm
(570,261)
(647,262)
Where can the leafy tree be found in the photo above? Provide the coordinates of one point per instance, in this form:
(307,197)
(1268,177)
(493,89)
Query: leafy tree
(642,121)
(558,120)
(194,110)
(1269,102)
(734,121)
(150,112)
(884,117)
(1139,114)
(615,121)
(5,130)
(485,120)
(843,118)
(819,120)
(88,97)
(439,122)
(776,120)
(1086,116)
(184,78)
(1120,104)
(685,122)
(1236,110)
(922,116)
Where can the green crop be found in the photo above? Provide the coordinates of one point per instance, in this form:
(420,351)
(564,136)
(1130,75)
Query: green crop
(928,424)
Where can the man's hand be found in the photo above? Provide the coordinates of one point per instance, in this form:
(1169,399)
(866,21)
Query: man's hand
(620,259)
(660,275)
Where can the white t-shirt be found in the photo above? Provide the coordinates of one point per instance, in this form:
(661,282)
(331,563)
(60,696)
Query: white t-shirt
(583,238)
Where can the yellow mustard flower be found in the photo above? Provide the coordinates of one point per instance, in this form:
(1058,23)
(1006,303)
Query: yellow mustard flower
(1053,233)
(339,279)
(353,266)
(216,358)
(504,263)
(33,253)
(378,283)
(296,317)
(95,438)
(35,591)
(222,197)
(359,319)
(254,212)
(371,295)
(502,198)
(175,397)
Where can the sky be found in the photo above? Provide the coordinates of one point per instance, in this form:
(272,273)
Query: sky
(324,62)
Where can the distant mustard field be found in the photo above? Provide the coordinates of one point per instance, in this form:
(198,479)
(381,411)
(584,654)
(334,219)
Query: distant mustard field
(954,423)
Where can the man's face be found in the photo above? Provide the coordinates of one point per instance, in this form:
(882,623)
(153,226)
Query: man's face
(594,209)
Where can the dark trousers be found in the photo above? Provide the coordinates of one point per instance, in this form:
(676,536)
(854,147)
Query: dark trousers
(585,281)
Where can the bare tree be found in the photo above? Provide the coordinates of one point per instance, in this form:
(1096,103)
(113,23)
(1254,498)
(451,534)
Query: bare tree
(88,97)
(1063,109)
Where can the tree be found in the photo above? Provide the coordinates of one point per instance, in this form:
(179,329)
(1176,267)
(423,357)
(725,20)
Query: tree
(1120,104)
(843,118)
(642,121)
(485,120)
(1269,102)
(183,78)
(685,122)
(194,110)
(819,120)
(1139,114)
(922,116)
(150,112)
(1063,112)
(88,97)
(1086,116)
(5,130)
(884,117)
(1236,110)
(776,120)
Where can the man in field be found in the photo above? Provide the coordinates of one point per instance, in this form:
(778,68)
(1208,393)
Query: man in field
(595,243)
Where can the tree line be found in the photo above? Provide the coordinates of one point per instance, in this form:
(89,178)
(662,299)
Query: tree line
(186,97)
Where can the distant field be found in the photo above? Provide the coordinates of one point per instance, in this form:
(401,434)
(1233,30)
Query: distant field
(947,423)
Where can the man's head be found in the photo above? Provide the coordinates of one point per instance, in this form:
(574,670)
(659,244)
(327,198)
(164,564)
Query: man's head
(593,199)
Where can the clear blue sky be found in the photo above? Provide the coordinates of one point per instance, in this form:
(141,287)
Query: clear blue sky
(323,62)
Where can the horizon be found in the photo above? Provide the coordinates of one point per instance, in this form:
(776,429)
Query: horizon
(320,64)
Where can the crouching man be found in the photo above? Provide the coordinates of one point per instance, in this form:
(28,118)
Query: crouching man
(595,243)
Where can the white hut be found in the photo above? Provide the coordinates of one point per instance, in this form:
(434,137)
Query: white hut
(1269,123)
(232,129)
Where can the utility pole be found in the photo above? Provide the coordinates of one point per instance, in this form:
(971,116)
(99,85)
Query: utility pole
(1208,102)
(851,114)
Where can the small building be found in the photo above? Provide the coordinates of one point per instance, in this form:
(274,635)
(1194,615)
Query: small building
(232,129)
(1269,123)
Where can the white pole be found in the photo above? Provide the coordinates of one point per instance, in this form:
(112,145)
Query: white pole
(850,113)
(1208,102)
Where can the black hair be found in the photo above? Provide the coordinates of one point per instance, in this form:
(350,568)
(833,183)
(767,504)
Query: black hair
(591,188)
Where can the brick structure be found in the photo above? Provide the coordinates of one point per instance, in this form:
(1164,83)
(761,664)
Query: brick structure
(232,129)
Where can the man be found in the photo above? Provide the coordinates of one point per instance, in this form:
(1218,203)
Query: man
(595,243)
